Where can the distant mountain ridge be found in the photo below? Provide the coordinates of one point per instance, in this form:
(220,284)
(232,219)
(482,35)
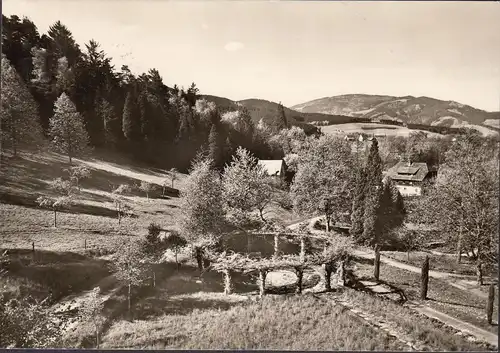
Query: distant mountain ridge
(407,109)
(267,110)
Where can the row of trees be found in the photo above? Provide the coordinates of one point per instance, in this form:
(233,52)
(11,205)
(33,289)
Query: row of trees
(78,99)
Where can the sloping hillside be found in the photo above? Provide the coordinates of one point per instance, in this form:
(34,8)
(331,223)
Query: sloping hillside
(409,109)
(267,110)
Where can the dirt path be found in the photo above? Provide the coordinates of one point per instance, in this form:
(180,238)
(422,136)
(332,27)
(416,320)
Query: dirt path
(390,328)
(457,324)
(453,279)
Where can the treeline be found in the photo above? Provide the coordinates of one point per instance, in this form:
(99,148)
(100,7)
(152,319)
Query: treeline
(135,114)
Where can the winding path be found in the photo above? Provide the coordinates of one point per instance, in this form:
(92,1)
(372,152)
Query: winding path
(452,279)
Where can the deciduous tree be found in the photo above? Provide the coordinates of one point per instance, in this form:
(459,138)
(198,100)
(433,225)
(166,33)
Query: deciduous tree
(324,181)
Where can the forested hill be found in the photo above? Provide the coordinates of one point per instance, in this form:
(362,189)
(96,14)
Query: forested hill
(135,114)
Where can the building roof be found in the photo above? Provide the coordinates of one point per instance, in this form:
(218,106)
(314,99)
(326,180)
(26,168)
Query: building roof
(271,166)
(405,172)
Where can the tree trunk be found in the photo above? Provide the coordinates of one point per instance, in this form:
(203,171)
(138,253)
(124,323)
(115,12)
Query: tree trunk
(176,261)
(55,218)
(70,159)
(300,275)
(327,268)
(227,282)
(302,250)
(172,183)
(129,295)
(119,216)
(489,305)
(147,195)
(408,256)
(199,258)
(459,246)
(376,263)
(342,274)
(327,225)
(262,282)
(261,214)
(249,243)
(479,272)
(163,191)
(154,279)
(97,337)
(424,279)
(276,245)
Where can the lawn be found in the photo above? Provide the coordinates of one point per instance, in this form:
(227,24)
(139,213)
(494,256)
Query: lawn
(293,323)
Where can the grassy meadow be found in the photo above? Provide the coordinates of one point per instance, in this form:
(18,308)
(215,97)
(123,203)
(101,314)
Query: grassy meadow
(178,308)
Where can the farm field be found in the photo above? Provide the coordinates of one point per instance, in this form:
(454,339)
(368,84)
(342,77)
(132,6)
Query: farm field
(371,128)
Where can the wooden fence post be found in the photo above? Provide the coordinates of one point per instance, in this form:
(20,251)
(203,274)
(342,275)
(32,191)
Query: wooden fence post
(300,275)
(424,284)
(376,263)
(262,282)
(489,305)
(479,272)
(227,282)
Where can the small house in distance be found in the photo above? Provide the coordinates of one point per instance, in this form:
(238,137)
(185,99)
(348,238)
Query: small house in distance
(273,167)
(409,177)
(276,168)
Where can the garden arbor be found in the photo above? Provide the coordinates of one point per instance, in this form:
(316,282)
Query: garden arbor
(334,256)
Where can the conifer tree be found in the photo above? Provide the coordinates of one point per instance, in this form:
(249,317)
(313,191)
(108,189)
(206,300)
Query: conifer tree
(130,123)
(19,122)
(67,132)
(358,205)
(280,121)
(214,147)
(372,227)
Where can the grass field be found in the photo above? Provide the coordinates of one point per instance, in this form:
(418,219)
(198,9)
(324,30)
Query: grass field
(371,128)
(185,309)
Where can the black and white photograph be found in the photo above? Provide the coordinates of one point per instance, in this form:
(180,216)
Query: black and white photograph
(249,175)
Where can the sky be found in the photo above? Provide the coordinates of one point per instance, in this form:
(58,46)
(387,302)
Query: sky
(294,51)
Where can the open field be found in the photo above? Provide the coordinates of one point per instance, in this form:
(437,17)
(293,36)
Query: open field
(185,309)
(371,128)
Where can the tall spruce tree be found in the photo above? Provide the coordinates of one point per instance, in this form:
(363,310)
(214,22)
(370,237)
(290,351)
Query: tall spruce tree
(131,121)
(280,122)
(19,117)
(372,227)
(214,147)
(358,205)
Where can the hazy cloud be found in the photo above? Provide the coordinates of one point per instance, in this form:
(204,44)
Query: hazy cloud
(234,46)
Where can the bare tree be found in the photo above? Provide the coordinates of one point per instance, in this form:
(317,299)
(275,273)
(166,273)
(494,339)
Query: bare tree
(119,201)
(92,311)
(146,188)
(77,174)
(65,197)
(130,267)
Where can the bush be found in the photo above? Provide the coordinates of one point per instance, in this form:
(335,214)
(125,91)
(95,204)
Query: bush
(153,236)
